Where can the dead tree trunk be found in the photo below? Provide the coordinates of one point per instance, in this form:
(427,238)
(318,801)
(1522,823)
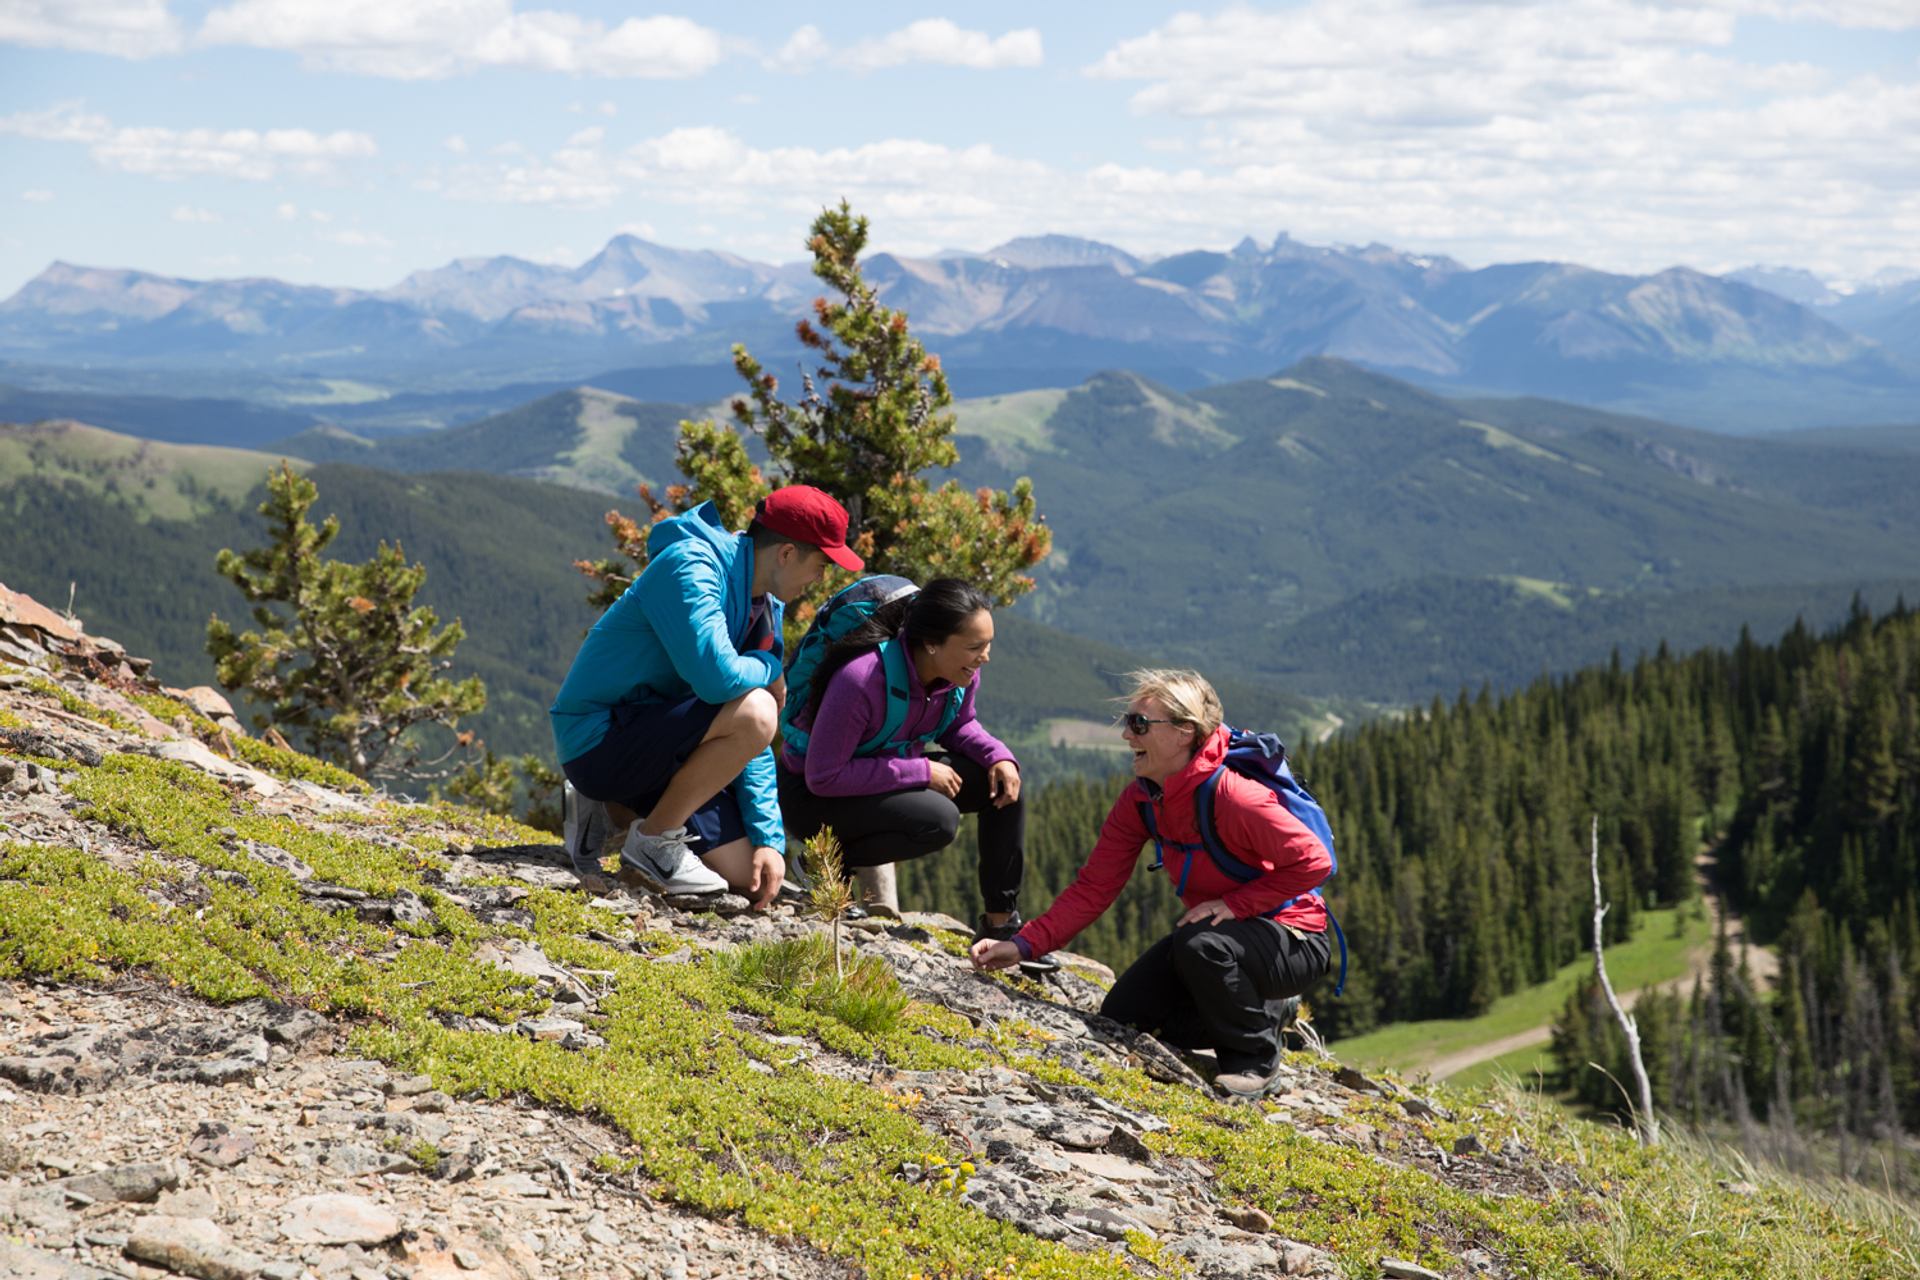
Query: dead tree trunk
(1646,1124)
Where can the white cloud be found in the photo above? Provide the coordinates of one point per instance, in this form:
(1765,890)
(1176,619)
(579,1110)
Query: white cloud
(803,49)
(287,211)
(411,41)
(253,154)
(1618,132)
(930,40)
(942,41)
(188,213)
(122,28)
(456,144)
(36,195)
(352,239)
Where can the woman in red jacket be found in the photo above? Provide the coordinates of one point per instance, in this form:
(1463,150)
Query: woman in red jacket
(1225,977)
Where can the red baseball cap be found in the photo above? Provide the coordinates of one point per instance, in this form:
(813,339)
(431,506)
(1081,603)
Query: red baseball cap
(809,515)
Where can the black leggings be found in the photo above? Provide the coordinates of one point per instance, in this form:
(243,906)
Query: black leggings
(895,826)
(1217,986)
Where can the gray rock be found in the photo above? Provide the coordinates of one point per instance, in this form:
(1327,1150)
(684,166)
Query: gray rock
(1467,1145)
(548,1028)
(276,857)
(43,1209)
(24,1262)
(1249,1217)
(410,908)
(1127,1143)
(1396,1269)
(1358,1083)
(131,1183)
(407,1086)
(337,1219)
(219,1145)
(1109,1224)
(190,1246)
(1080,1135)
(1213,1257)
(349,1160)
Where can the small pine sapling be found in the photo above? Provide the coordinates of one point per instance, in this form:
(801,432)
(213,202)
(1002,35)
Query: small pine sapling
(830,896)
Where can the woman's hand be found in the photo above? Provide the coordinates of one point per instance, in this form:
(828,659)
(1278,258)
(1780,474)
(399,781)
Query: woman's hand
(988,955)
(1212,911)
(1003,784)
(942,778)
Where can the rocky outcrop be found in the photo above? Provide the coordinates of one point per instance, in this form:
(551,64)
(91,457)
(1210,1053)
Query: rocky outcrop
(149,1133)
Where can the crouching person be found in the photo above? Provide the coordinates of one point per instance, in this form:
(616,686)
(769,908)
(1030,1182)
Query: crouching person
(1231,972)
(668,711)
(856,758)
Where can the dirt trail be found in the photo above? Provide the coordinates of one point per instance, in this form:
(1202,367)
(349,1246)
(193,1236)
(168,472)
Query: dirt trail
(1760,962)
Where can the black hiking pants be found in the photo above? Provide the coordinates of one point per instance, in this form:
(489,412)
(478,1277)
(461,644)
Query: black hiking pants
(1219,987)
(896,826)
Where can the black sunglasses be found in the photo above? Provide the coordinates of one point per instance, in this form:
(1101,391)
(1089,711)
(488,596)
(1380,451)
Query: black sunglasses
(1136,724)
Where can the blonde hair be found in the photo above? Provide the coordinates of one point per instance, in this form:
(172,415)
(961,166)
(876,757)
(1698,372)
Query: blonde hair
(1186,695)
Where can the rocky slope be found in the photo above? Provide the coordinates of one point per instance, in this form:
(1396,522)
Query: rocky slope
(257,1022)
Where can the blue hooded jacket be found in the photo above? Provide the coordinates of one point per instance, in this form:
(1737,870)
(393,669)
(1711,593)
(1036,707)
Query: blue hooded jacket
(676,632)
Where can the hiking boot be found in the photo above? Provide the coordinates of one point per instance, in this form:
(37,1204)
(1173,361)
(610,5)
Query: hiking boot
(667,864)
(1004,933)
(584,831)
(1251,1085)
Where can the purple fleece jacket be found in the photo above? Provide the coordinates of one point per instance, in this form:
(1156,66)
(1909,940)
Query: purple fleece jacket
(853,709)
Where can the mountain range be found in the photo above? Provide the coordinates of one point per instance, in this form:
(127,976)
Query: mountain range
(1330,530)
(1760,350)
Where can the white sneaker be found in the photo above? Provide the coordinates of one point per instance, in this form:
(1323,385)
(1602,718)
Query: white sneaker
(584,830)
(668,864)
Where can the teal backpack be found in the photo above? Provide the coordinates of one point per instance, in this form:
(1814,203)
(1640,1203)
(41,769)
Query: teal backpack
(850,607)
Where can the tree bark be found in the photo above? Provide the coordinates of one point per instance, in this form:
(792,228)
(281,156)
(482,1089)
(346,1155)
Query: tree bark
(1646,1124)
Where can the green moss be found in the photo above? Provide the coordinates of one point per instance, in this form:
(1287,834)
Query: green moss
(8,720)
(264,756)
(728,1121)
(73,704)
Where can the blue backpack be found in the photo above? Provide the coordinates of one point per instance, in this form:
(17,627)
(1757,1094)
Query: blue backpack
(850,607)
(1263,758)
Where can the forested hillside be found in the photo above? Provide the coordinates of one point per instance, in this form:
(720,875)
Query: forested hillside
(1463,841)
(1822,847)
(134,527)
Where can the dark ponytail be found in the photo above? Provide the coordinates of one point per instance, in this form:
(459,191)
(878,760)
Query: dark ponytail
(929,616)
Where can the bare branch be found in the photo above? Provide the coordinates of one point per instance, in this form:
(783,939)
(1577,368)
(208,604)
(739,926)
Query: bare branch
(1645,1121)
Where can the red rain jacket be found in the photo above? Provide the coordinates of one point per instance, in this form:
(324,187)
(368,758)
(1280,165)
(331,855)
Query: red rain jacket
(1251,822)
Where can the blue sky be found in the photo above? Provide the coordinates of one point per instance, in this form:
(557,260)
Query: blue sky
(352,141)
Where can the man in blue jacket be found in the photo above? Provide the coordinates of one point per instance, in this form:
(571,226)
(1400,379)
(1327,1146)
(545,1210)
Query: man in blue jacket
(672,702)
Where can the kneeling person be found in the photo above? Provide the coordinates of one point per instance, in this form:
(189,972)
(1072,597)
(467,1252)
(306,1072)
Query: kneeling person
(1231,972)
(885,797)
(671,704)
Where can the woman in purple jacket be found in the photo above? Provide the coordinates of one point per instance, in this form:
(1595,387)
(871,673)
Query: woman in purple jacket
(892,801)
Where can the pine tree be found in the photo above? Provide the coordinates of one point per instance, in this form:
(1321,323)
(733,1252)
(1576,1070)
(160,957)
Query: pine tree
(346,659)
(872,416)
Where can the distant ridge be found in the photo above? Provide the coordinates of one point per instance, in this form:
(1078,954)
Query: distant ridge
(1729,352)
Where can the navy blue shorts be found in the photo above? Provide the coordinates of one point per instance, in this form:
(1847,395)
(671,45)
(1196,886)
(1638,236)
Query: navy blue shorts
(645,746)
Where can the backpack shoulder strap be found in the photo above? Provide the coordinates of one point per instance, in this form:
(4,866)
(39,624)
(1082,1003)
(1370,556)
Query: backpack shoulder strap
(893,663)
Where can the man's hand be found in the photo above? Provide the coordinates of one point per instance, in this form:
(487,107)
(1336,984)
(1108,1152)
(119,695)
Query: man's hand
(769,870)
(943,778)
(779,690)
(1003,783)
(988,955)
(1212,911)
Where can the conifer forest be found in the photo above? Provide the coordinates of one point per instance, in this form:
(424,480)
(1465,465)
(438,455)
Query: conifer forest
(1463,837)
